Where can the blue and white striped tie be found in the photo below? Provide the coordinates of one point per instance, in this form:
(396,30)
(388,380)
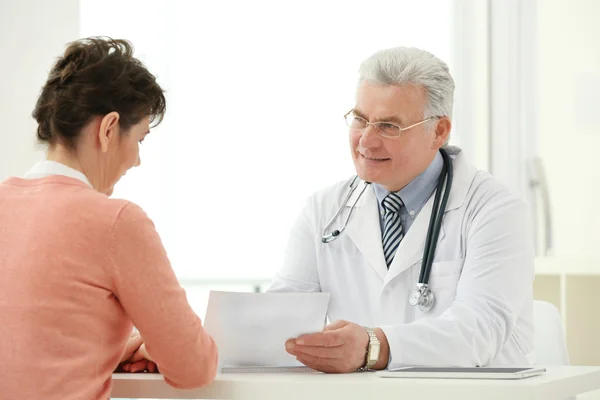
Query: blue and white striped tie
(392,227)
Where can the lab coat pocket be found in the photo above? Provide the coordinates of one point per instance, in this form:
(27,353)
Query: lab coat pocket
(443,269)
(443,281)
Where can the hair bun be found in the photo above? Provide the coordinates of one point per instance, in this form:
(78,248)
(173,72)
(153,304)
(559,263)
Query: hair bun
(96,76)
(73,61)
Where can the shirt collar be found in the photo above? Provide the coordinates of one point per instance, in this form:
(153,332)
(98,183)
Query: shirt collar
(47,168)
(415,194)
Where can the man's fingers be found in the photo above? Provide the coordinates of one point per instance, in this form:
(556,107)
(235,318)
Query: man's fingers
(324,339)
(317,351)
(317,361)
(318,364)
(326,365)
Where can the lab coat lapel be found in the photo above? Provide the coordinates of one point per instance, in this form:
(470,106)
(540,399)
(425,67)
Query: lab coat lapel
(365,231)
(410,250)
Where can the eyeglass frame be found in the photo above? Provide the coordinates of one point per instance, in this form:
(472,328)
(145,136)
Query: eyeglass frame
(375,125)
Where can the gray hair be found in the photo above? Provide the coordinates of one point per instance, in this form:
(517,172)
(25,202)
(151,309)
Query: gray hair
(409,65)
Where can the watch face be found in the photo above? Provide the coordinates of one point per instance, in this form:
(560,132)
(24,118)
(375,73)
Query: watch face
(374,353)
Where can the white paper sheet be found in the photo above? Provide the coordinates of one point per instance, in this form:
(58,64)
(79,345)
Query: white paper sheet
(251,329)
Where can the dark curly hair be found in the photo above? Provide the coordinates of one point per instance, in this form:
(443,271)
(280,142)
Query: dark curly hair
(96,76)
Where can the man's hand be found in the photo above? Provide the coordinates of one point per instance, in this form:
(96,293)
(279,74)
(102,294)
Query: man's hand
(341,347)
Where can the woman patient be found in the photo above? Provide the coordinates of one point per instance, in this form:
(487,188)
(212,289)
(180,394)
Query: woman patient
(77,269)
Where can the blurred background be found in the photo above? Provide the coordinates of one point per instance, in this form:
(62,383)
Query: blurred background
(256,92)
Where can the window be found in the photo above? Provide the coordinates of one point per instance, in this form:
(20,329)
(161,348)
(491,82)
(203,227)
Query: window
(256,95)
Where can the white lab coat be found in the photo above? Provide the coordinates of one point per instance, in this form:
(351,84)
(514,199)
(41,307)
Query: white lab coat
(481,276)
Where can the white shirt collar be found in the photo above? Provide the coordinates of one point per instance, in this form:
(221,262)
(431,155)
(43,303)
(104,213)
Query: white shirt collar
(46,168)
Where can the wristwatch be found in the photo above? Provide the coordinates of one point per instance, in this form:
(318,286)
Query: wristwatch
(372,350)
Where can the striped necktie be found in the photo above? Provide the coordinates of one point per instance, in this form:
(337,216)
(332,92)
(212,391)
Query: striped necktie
(392,227)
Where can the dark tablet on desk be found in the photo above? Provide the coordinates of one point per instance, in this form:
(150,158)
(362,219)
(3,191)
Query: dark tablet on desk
(463,372)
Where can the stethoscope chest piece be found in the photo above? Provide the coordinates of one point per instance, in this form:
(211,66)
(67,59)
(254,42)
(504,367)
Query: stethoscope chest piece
(422,297)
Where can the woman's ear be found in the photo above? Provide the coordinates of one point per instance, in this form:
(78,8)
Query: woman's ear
(109,130)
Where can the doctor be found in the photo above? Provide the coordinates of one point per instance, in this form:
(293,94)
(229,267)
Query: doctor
(473,305)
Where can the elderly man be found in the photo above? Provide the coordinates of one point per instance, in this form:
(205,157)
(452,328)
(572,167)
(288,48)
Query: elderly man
(428,260)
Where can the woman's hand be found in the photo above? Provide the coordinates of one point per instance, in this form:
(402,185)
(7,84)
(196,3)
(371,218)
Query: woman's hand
(133,344)
(140,361)
(135,357)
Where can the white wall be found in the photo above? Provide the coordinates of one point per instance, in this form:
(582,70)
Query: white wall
(470,53)
(569,100)
(32,34)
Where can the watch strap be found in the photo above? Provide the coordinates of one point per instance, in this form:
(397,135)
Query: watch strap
(373,340)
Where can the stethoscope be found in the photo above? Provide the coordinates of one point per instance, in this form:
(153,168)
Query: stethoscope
(422,296)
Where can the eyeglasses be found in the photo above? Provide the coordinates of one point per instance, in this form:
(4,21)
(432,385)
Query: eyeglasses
(385,129)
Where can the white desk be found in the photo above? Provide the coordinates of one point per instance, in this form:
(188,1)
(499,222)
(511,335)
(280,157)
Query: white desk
(558,383)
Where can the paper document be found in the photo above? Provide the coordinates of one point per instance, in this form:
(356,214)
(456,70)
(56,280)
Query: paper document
(251,329)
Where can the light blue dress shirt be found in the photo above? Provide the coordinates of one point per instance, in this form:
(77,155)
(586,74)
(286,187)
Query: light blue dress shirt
(414,195)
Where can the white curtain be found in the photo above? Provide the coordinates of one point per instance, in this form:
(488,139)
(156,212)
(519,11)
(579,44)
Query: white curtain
(256,92)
